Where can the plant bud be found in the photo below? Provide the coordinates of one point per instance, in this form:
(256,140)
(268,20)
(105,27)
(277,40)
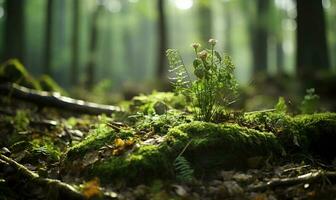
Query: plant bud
(212,41)
(196,45)
(203,55)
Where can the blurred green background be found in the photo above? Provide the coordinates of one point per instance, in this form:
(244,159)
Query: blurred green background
(119,45)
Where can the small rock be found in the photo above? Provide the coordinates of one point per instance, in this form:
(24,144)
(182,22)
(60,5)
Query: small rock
(160,107)
(227,175)
(76,133)
(215,182)
(90,158)
(243,178)
(180,190)
(232,188)
(212,189)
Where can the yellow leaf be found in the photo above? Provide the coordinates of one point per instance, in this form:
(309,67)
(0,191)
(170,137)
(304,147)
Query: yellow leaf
(119,143)
(91,188)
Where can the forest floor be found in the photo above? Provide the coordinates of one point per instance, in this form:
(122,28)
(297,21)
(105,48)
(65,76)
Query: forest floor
(123,156)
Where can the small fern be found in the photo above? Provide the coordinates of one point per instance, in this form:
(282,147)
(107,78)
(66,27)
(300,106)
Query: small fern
(184,172)
(181,80)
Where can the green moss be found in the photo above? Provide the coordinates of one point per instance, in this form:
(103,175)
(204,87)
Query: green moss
(142,165)
(160,123)
(13,71)
(299,133)
(44,147)
(99,136)
(319,131)
(145,103)
(48,84)
(226,145)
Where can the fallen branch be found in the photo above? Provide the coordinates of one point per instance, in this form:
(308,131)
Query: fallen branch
(306,178)
(65,191)
(53,99)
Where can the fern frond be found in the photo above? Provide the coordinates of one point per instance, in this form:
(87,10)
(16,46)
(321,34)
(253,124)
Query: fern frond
(184,172)
(181,79)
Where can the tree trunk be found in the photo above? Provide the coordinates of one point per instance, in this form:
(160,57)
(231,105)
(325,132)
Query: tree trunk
(204,22)
(312,50)
(48,38)
(75,43)
(90,69)
(259,37)
(14,30)
(228,29)
(279,57)
(162,40)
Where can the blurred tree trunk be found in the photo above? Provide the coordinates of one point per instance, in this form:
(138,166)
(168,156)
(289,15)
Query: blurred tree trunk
(204,21)
(14,30)
(228,28)
(259,37)
(279,56)
(277,14)
(162,40)
(312,50)
(75,43)
(48,38)
(90,68)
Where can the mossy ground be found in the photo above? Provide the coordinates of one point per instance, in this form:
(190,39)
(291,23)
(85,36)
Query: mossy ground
(141,145)
(260,136)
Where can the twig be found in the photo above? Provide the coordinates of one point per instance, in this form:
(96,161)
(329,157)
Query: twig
(185,148)
(53,99)
(260,111)
(309,177)
(64,190)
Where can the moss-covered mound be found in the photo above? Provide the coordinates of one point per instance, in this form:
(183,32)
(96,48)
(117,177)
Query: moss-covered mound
(314,133)
(210,146)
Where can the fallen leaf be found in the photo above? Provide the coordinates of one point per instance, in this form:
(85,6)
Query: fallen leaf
(91,188)
(119,143)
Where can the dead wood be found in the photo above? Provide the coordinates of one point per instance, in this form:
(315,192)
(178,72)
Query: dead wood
(53,99)
(305,178)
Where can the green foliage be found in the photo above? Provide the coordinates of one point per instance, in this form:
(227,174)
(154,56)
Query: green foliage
(183,170)
(310,102)
(21,120)
(281,106)
(214,85)
(45,148)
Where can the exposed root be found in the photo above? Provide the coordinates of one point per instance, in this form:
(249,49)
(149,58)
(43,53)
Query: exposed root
(64,190)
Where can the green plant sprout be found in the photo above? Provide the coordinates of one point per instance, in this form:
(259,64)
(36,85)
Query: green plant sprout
(214,84)
(310,102)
